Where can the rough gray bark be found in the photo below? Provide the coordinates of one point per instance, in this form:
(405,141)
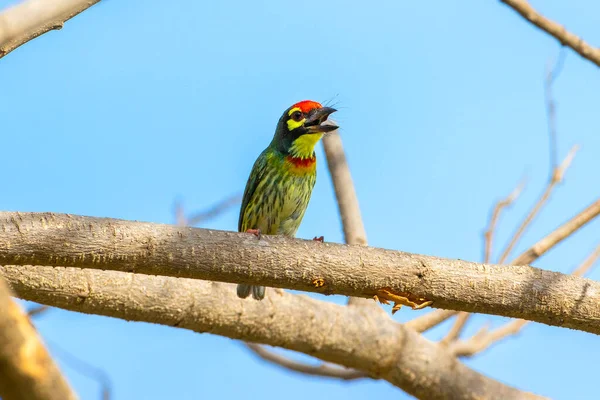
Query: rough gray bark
(349,336)
(85,242)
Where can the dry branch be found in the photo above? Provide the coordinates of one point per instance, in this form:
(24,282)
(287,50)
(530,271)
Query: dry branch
(485,339)
(27,371)
(27,20)
(324,370)
(154,249)
(556,177)
(556,30)
(347,336)
(354,230)
(488,240)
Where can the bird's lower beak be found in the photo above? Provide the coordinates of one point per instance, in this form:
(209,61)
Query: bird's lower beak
(316,118)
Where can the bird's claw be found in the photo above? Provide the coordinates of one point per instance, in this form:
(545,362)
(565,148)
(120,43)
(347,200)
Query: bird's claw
(255,232)
(384,296)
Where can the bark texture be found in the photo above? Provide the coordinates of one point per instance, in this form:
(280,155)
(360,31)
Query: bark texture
(348,336)
(154,249)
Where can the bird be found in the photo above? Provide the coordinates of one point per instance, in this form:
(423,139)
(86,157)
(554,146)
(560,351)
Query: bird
(282,178)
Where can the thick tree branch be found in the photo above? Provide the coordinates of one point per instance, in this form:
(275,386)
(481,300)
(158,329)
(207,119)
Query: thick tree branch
(556,30)
(344,335)
(27,371)
(27,20)
(514,291)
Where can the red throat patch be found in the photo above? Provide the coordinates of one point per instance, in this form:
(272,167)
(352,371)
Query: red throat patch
(306,105)
(301,162)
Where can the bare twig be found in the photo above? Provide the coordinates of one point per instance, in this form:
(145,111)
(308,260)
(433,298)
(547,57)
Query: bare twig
(429,320)
(556,177)
(35,311)
(457,328)
(556,30)
(327,370)
(551,76)
(488,239)
(201,217)
(480,342)
(27,20)
(84,368)
(558,235)
(528,256)
(27,372)
(488,236)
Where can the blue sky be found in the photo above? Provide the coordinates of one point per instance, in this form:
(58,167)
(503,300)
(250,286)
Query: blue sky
(134,104)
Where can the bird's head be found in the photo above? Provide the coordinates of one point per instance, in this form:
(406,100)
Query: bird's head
(301,127)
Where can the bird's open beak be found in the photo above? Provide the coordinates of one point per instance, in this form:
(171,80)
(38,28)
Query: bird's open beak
(316,117)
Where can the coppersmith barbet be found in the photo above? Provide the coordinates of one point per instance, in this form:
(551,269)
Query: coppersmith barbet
(282,178)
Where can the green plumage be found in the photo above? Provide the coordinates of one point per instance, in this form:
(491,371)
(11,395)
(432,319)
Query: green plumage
(276,195)
(282,179)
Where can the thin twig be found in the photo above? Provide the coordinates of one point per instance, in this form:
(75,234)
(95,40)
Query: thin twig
(429,320)
(35,311)
(557,176)
(497,211)
(327,370)
(84,368)
(556,30)
(201,217)
(527,257)
(488,238)
(551,76)
(558,235)
(478,343)
(556,171)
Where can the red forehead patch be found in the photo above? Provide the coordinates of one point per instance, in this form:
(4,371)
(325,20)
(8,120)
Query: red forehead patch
(306,105)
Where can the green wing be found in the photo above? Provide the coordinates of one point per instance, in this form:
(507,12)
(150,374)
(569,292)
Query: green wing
(258,172)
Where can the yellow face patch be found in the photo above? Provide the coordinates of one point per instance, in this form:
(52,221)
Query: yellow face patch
(304,146)
(294,124)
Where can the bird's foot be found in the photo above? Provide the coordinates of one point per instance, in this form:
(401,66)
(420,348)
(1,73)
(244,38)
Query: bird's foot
(255,232)
(384,296)
(319,239)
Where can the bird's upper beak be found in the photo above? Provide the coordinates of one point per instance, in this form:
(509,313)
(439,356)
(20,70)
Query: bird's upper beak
(316,117)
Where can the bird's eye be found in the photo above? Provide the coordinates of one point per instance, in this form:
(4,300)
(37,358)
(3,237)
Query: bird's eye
(297,116)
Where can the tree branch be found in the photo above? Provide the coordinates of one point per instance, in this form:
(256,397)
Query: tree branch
(556,30)
(324,370)
(556,177)
(201,217)
(485,339)
(27,20)
(27,371)
(344,335)
(514,291)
